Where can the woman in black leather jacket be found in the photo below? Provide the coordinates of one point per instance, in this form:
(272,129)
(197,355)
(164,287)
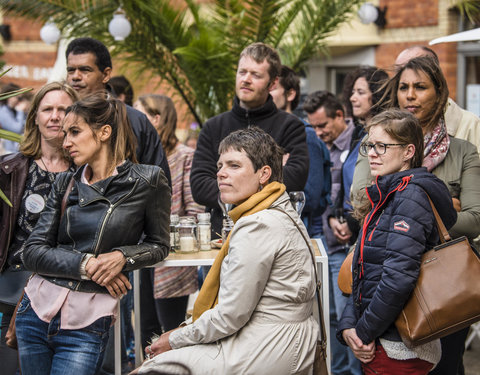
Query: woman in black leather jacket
(26,178)
(80,255)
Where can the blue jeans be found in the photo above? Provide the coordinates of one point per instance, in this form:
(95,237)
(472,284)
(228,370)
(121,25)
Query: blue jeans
(46,349)
(343,360)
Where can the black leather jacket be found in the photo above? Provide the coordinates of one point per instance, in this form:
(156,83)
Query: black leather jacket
(13,174)
(109,215)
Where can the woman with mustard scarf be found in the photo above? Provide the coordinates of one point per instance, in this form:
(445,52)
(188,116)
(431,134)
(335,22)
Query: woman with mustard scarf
(254,312)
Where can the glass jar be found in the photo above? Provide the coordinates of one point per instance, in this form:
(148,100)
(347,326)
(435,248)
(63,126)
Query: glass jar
(174,221)
(226,228)
(187,235)
(204,230)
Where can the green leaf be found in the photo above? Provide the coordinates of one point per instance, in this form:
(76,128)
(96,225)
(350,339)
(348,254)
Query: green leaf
(5,199)
(194,46)
(11,136)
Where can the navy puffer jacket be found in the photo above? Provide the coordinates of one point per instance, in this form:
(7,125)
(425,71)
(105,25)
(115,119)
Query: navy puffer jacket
(386,263)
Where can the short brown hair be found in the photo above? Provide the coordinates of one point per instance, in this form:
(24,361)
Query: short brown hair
(260,52)
(98,111)
(260,148)
(31,143)
(325,99)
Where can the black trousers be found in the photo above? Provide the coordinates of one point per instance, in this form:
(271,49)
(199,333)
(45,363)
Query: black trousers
(8,356)
(171,311)
(453,347)
(150,325)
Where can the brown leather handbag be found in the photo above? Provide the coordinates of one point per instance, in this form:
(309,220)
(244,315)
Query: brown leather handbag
(345,279)
(446,297)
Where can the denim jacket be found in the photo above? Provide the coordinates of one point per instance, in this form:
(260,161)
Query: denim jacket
(108,215)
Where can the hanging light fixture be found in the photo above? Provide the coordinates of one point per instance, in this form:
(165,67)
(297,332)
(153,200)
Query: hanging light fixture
(369,13)
(49,33)
(119,26)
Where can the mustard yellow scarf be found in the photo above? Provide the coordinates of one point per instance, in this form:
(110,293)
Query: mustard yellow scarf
(208,295)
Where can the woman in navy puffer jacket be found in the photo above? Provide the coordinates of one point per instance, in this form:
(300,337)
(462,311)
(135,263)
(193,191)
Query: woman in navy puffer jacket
(398,229)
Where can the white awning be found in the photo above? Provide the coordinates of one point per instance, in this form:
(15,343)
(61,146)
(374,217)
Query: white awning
(465,36)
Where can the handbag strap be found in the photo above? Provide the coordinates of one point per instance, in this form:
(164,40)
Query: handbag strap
(442,230)
(65,196)
(317,282)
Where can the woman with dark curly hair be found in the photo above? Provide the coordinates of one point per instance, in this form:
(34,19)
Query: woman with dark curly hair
(363,89)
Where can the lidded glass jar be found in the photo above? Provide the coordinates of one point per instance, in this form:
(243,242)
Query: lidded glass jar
(204,230)
(174,241)
(187,235)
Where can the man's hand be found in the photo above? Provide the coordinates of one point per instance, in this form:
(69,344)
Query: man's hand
(364,353)
(104,268)
(341,231)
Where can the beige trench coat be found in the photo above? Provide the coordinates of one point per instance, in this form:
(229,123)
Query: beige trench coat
(263,323)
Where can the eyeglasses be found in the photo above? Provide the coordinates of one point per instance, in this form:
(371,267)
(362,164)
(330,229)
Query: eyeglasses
(379,147)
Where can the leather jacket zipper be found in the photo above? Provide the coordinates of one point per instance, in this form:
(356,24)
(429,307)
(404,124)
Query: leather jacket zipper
(68,227)
(107,215)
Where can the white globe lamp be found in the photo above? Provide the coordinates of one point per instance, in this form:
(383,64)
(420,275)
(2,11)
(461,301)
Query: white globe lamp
(119,26)
(368,13)
(49,33)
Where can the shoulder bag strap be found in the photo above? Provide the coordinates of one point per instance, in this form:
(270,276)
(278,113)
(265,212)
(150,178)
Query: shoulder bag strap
(318,283)
(442,230)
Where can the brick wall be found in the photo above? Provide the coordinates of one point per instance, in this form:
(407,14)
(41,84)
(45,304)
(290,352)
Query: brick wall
(410,13)
(23,29)
(29,57)
(386,54)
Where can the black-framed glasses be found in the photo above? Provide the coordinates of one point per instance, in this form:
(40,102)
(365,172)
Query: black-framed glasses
(379,147)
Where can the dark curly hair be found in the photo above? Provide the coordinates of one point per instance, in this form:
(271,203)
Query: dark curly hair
(376,79)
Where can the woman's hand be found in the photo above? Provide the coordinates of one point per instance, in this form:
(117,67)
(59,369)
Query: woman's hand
(456,204)
(341,231)
(364,353)
(104,268)
(118,286)
(159,346)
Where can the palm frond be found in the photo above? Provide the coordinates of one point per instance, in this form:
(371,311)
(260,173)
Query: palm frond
(194,47)
(469,9)
(5,198)
(10,136)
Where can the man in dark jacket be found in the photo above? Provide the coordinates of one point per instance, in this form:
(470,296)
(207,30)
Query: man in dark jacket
(89,67)
(257,73)
(326,114)
(286,96)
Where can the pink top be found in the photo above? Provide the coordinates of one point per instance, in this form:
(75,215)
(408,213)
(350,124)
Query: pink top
(78,309)
(172,282)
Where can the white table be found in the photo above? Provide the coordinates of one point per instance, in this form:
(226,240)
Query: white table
(206,258)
